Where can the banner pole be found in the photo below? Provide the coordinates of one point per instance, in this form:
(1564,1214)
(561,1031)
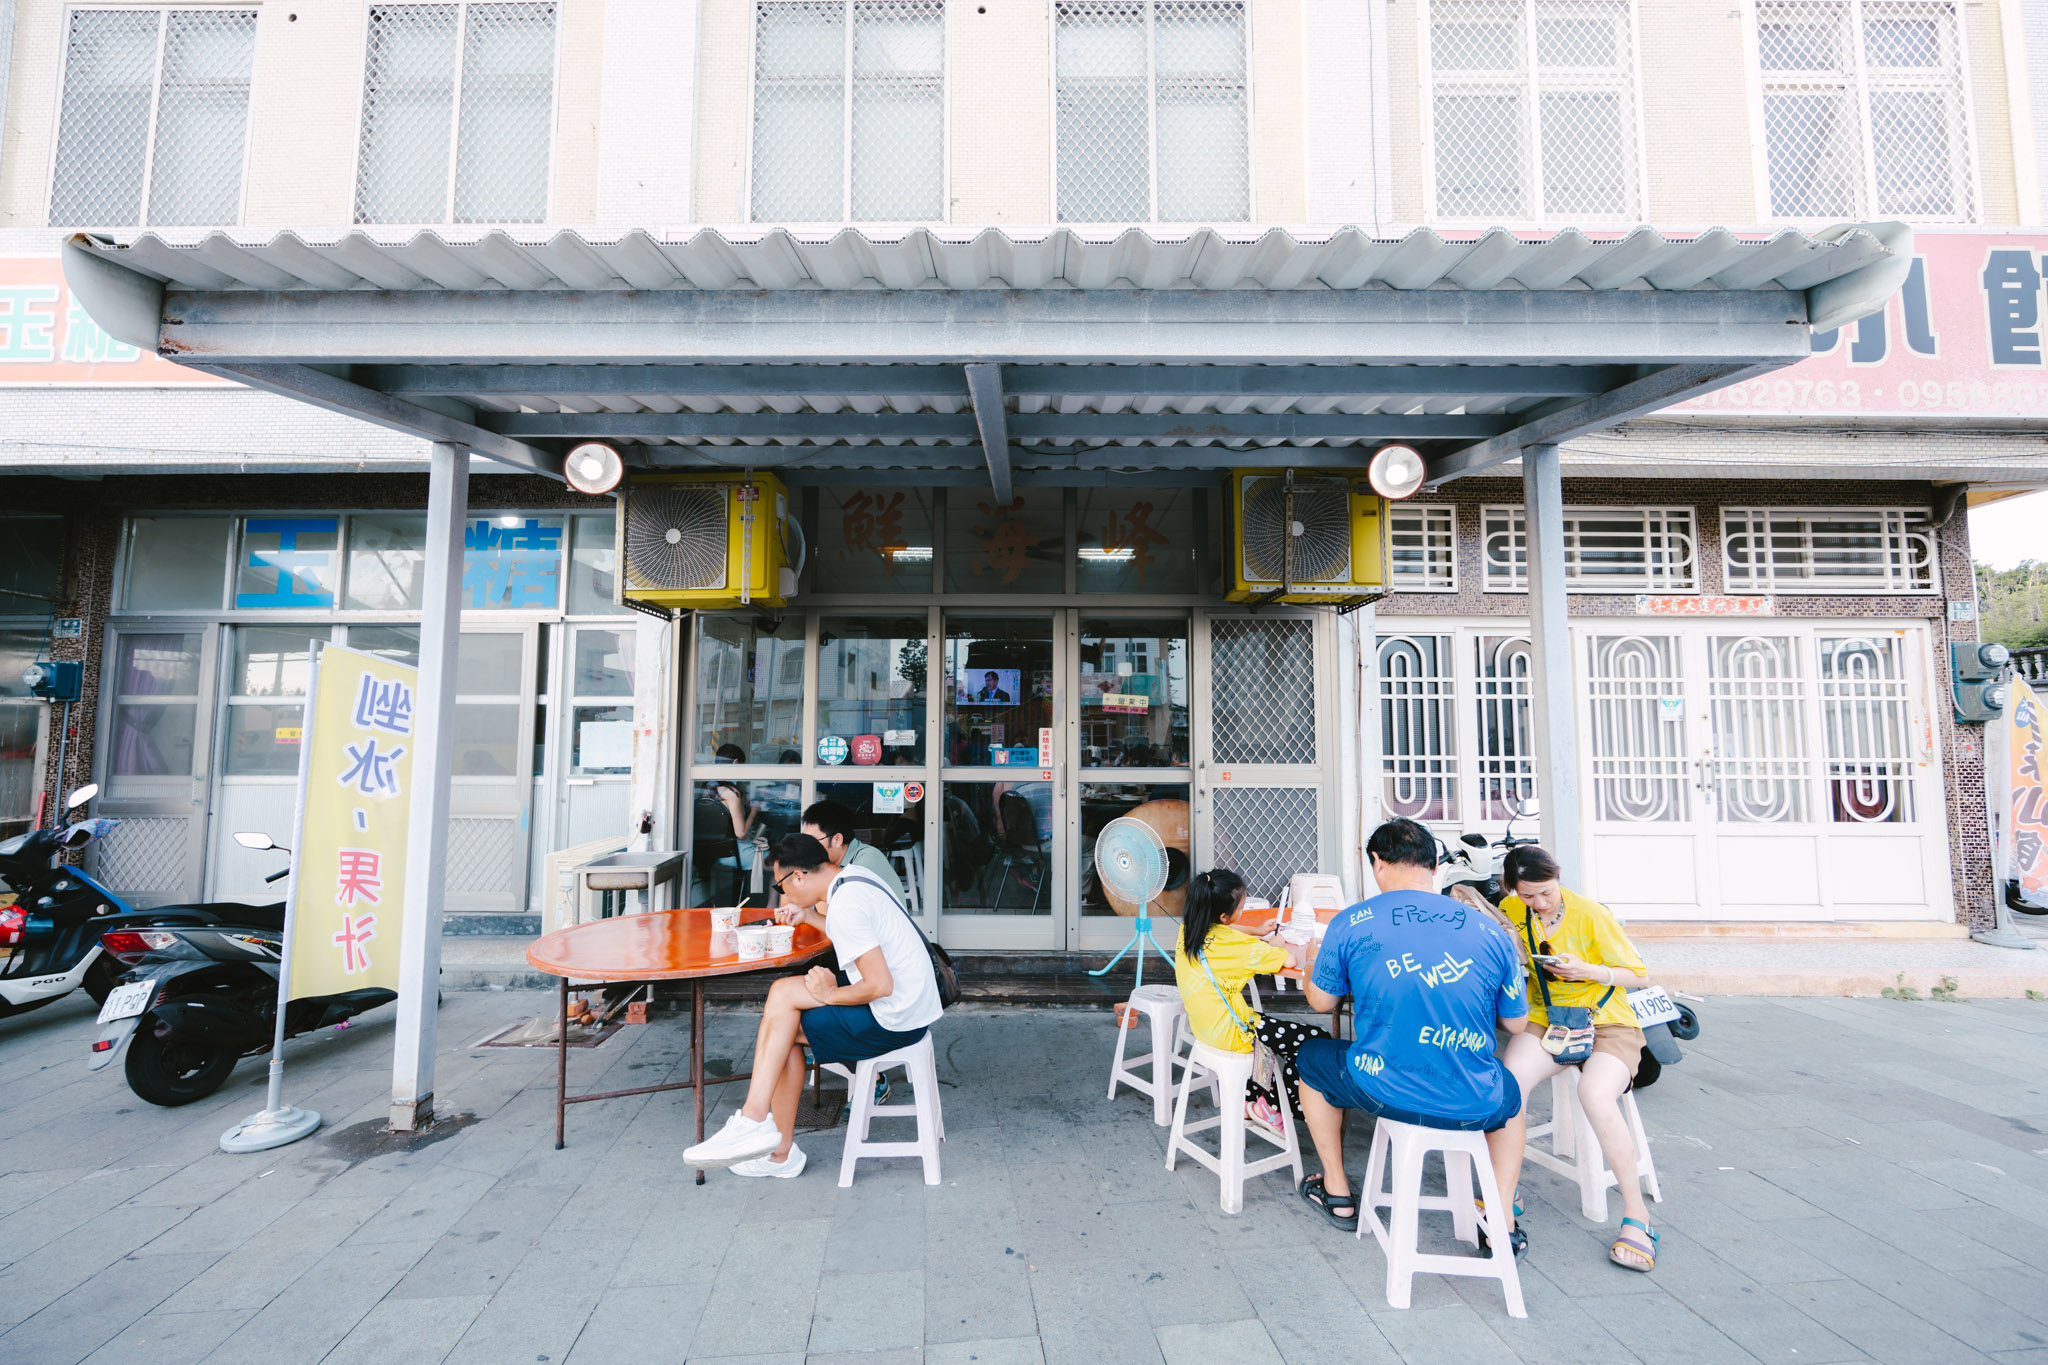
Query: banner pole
(1998,814)
(279,1123)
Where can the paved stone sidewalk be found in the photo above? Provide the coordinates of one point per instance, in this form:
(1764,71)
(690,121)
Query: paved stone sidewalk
(1844,1179)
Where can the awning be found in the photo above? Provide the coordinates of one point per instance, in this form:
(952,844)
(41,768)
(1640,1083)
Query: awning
(1046,354)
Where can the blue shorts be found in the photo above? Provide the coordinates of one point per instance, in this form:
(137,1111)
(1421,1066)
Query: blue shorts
(1325,1067)
(849,1033)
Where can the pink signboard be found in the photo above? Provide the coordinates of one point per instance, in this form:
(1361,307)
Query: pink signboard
(1962,339)
(46,338)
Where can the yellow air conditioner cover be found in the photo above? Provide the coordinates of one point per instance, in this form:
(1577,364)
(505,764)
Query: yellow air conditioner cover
(1341,556)
(706,542)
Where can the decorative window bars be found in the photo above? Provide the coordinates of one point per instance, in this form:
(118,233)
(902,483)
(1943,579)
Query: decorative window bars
(1533,110)
(154,120)
(458,114)
(1636,742)
(1424,547)
(1866,711)
(1606,549)
(1828,550)
(1153,118)
(849,111)
(1761,770)
(1865,110)
(1418,727)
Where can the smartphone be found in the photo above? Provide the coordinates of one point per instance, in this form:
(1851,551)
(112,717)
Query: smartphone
(1547,959)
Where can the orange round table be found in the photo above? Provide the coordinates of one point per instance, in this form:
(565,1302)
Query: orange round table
(1259,920)
(663,945)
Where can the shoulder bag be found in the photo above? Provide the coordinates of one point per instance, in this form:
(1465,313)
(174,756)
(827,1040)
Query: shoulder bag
(1569,1038)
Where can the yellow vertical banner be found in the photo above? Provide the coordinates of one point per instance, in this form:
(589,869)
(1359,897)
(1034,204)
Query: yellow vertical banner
(2029,829)
(355,798)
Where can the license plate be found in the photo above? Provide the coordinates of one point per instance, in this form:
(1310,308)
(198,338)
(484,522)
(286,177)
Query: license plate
(1653,1005)
(128,1000)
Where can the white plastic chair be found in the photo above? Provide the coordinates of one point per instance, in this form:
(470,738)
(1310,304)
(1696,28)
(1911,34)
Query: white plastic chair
(1229,1076)
(1393,1181)
(920,1068)
(1575,1151)
(909,861)
(1167,1017)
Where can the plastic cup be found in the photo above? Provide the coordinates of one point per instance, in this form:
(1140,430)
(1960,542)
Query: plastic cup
(781,939)
(753,941)
(725,917)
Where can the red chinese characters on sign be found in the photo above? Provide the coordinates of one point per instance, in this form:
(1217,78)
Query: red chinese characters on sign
(1647,605)
(1132,533)
(360,877)
(353,938)
(1005,539)
(872,524)
(867,749)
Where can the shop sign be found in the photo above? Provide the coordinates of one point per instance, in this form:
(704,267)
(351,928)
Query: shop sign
(511,568)
(867,750)
(831,749)
(1961,339)
(46,338)
(1648,605)
(1045,746)
(898,739)
(888,798)
(355,796)
(279,570)
(1126,703)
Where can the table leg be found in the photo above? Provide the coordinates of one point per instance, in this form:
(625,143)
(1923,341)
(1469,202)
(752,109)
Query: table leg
(561,1061)
(697,1057)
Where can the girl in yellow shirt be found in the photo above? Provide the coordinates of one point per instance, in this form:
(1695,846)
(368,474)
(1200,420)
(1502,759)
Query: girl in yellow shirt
(1212,962)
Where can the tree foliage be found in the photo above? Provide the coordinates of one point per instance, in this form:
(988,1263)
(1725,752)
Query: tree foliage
(2014,603)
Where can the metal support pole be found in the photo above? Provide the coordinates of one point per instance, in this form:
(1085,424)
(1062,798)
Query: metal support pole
(426,849)
(1552,716)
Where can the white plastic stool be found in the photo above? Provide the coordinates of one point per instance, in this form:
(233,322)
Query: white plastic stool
(909,860)
(1163,1011)
(920,1068)
(1229,1075)
(1575,1152)
(1393,1181)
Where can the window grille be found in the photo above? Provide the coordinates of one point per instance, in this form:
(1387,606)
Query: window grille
(1759,770)
(155,116)
(1808,549)
(1864,699)
(1424,544)
(458,114)
(1606,549)
(1865,110)
(1153,111)
(822,154)
(1503,679)
(1418,727)
(1533,110)
(1642,773)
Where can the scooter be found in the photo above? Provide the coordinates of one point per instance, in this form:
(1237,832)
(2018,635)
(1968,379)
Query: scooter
(50,936)
(200,994)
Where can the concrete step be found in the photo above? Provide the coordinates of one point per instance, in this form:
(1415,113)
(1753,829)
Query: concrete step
(1788,931)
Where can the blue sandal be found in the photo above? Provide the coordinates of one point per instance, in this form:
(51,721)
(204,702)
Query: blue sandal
(1643,1245)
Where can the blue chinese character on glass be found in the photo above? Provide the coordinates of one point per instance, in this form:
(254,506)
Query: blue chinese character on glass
(511,567)
(287,562)
(384,706)
(371,772)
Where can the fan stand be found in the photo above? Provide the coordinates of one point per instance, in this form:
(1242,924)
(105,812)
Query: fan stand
(1141,934)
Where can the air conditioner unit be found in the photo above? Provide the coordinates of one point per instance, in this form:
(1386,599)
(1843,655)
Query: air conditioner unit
(1307,538)
(708,542)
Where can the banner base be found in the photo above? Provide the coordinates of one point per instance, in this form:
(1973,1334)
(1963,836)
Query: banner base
(2004,936)
(270,1128)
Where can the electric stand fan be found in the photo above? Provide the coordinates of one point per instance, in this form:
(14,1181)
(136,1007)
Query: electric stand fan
(1130,860)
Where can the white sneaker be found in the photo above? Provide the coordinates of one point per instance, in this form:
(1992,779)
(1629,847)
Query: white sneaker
(771,1168)
(741,1139)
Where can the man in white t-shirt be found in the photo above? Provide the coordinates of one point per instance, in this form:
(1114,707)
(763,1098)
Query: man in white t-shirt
(884,997)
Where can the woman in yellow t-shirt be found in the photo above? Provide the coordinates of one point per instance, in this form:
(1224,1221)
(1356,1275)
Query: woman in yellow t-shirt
(1212,962)
(1587,960)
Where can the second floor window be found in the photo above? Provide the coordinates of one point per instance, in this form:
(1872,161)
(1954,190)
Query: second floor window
(458,114)
(1153,113)
(849,111)
(1865,110)
(154,119)
(1533,110)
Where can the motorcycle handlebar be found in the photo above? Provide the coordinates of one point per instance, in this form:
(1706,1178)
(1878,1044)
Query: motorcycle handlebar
(278,875)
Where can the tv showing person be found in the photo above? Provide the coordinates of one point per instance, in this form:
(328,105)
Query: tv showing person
(986,687)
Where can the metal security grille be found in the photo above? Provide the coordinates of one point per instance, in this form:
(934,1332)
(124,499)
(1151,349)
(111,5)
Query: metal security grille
(458,114)
(1418,727)
(1503,682)
(1865,704)
(146,857)
(1267,834)
(154,119)
(483,856)
(1808,549)
(1865,110)
(849,111)
(1424,544)
(1761,768)
(1152,111)
(1606,549)
(1263,681)
(1533,110)
(1636,688)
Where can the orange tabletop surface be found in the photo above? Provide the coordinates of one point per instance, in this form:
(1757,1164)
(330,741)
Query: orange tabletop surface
(1259,920)
(663,945)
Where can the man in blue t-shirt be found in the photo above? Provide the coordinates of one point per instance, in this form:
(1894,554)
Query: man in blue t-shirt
(1428,977)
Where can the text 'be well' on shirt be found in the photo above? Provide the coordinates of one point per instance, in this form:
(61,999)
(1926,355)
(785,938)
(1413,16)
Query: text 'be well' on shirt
(1427,977)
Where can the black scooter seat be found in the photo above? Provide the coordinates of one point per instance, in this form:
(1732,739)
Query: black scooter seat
(210,912)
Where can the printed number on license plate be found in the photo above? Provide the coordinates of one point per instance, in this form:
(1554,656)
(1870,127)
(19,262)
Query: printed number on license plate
(1653,1005)
(127,1000)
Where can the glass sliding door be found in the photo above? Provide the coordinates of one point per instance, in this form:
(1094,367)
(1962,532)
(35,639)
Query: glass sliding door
(155,751)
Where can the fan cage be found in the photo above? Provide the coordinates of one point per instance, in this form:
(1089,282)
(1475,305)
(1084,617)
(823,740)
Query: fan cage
(1322,554)
(699,561)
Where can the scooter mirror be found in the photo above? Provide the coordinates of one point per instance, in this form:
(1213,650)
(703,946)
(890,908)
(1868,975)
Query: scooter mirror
(259,842)
(1529,806)
(82,795)
(1473,840)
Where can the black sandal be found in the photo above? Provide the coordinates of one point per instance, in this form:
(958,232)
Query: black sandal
(1518,1241)
(1327,1204)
